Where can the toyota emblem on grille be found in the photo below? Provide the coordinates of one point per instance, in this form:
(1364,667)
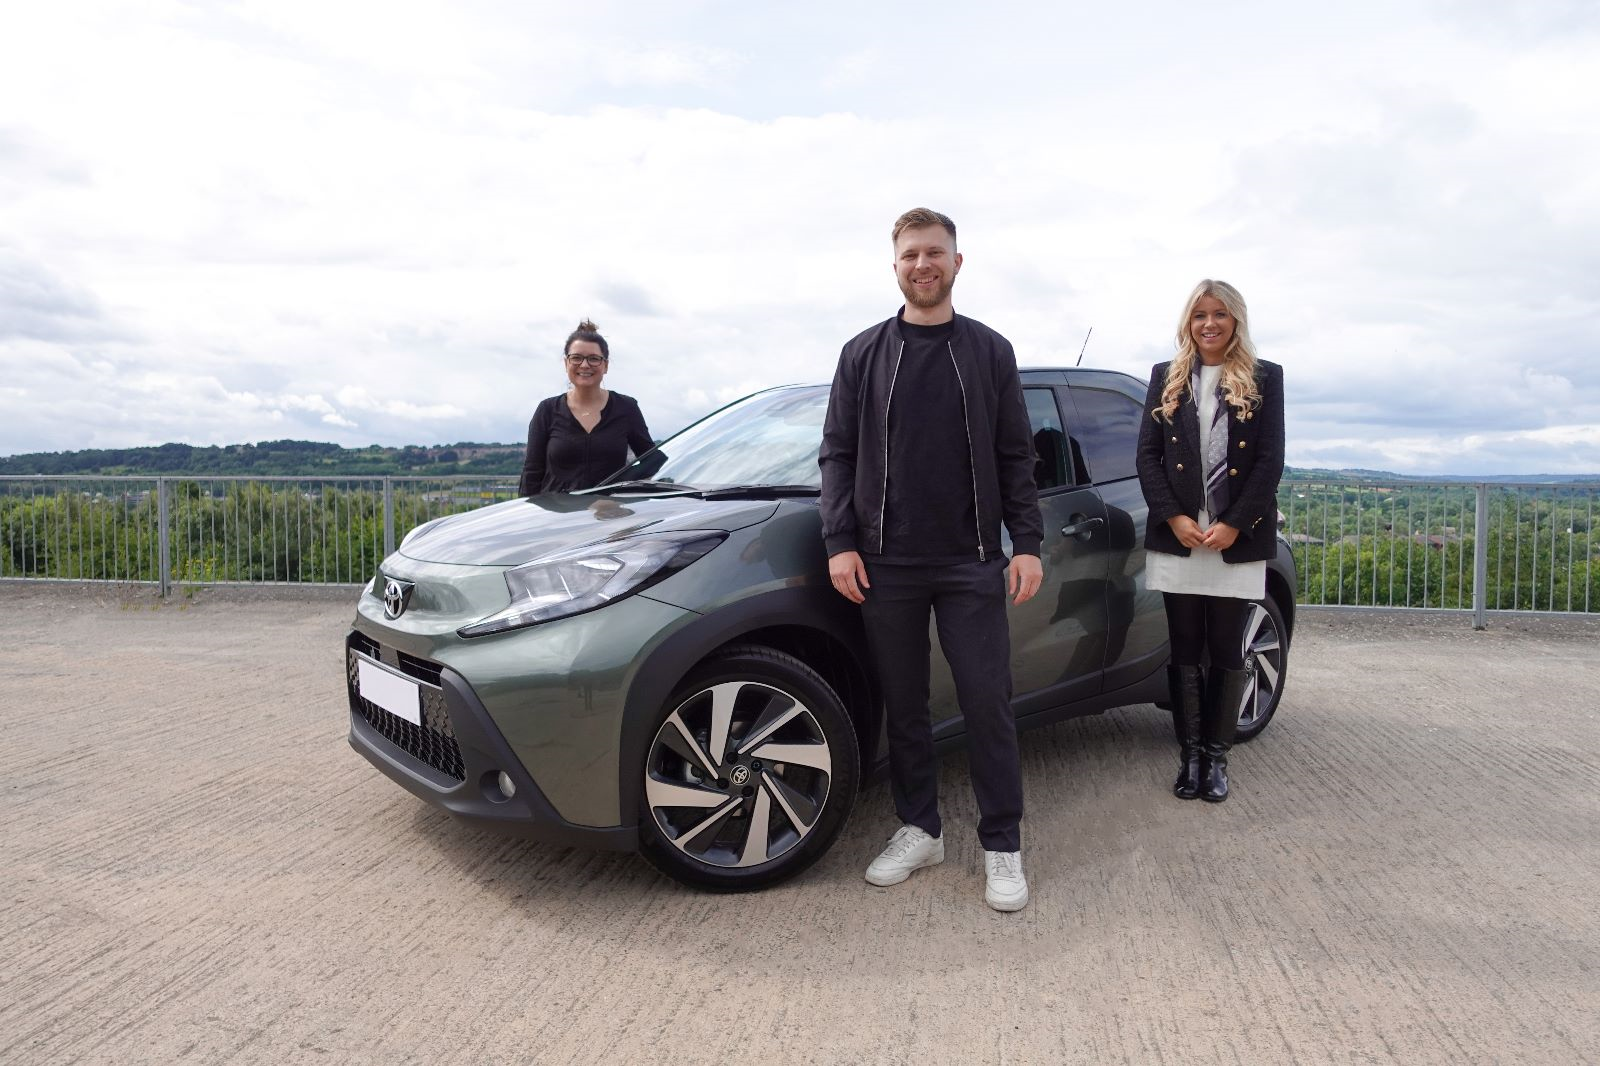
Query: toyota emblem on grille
(396,596)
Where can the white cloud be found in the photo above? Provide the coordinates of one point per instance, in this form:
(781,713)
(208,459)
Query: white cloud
(667,66)
(1565,449)
(358,399)
(367,224)
(851,70)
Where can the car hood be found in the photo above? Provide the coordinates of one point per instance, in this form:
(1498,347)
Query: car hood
(519,531)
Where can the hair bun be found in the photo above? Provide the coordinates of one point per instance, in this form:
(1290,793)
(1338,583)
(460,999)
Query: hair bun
(587,326)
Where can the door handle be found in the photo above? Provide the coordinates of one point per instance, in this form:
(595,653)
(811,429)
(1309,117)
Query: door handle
(1081,527)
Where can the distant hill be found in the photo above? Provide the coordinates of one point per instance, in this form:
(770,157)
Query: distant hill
(1384,475)
(275,457)
(306,458)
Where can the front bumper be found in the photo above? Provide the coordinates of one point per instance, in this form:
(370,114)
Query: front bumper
(454,758)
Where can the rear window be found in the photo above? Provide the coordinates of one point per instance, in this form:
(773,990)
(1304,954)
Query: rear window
(1107,431)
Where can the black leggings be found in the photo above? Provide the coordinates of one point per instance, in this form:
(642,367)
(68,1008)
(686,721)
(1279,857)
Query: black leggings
(1196,623)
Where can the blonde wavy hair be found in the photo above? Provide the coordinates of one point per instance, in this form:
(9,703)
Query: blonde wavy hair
(1238,362)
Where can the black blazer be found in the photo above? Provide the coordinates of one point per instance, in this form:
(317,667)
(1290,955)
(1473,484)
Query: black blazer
(1171,468)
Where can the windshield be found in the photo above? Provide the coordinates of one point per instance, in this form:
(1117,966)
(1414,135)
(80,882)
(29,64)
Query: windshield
(771,438)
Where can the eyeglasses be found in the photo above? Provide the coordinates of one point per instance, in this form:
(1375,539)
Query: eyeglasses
(585,360)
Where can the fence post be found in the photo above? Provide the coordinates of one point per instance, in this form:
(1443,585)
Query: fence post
(1480,561)
(163,538)
(388,518)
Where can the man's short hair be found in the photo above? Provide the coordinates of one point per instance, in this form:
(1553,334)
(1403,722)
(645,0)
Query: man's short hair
(917,218)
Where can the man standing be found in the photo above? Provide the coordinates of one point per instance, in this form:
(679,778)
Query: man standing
(926,450)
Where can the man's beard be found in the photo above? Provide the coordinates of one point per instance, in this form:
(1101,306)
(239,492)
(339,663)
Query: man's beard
(926,299)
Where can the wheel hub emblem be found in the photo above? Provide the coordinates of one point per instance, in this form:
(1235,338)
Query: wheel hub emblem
(396,595)
(740,775)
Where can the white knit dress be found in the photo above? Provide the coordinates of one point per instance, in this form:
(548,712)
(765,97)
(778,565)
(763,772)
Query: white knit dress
(1203,572)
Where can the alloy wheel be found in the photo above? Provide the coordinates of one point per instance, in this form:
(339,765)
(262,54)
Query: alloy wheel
(1263,657)
(738,774)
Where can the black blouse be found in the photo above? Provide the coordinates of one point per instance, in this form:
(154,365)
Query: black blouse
(563,456)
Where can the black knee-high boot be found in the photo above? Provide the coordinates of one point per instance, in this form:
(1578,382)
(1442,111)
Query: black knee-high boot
(1225,691)
(1185,683)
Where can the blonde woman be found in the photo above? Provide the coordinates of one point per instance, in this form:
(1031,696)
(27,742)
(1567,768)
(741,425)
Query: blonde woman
(1210,457)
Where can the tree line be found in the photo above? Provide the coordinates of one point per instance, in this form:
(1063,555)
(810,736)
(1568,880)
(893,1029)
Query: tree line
(1414,545)
(222,531)
(1353,544)
(274,458)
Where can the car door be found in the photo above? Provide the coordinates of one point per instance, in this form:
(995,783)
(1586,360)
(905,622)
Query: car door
(1103,411)
(1058,637)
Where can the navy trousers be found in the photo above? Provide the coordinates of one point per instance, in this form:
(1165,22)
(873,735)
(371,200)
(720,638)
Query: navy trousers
(968,604)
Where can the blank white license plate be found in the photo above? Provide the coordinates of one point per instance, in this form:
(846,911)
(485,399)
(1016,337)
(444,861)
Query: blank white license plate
(400,696)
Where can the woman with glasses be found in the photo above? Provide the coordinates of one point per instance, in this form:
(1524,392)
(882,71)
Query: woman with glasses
(579,437)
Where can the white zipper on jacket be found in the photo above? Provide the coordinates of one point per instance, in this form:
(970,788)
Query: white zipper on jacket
(966,422)
(883,502)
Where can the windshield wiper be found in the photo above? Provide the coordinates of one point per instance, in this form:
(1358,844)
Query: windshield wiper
(653,488)
(758,491)
(644,485)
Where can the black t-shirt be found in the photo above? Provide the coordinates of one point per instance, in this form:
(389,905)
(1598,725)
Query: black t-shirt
(928,515)
(563,456)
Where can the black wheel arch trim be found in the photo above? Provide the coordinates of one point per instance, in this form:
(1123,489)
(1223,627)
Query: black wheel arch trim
(803,607)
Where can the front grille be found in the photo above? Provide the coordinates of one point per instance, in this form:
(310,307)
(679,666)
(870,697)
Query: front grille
(421,669)
(434,741)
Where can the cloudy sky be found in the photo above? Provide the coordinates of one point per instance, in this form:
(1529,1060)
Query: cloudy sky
(374,222)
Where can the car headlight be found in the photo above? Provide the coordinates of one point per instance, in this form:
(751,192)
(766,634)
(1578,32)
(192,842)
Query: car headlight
(582,579)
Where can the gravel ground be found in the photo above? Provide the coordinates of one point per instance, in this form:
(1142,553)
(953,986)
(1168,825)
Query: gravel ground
(195,867)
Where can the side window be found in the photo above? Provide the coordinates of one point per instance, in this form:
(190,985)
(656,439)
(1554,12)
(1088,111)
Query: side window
(1049,440)
(1107,430)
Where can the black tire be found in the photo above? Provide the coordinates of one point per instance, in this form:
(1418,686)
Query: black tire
(1266,656)
(777,795)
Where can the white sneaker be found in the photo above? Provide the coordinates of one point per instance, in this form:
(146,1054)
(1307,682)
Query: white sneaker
(909,849)
(1008,889)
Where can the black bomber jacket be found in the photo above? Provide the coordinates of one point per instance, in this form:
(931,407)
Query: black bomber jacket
(1172,476)
(855,445)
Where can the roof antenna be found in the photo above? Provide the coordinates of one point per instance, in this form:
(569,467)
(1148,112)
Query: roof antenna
(1085,347)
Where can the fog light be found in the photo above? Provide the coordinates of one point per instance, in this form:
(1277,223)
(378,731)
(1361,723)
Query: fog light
(508,787)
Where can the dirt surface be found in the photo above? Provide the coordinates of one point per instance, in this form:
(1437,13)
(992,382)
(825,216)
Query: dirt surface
(195,867)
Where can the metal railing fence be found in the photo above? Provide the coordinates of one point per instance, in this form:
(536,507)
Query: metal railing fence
(1478,546)
(221,530)
(1486,546)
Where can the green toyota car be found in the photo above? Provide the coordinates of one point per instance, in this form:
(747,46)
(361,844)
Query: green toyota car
(661,663)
